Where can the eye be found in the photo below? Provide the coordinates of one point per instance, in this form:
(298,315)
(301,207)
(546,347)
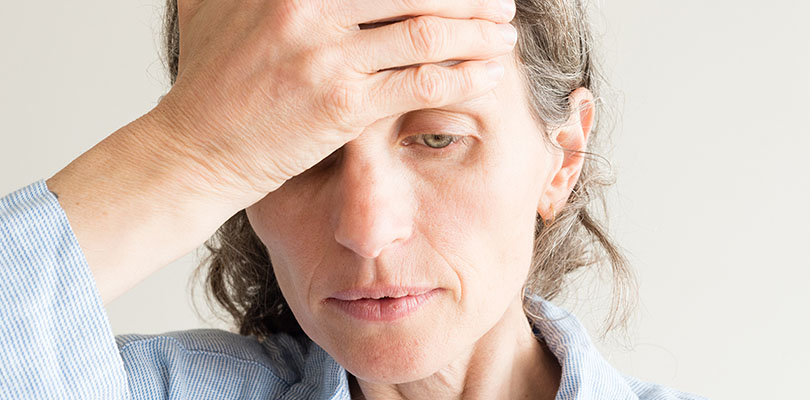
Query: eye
(437,142)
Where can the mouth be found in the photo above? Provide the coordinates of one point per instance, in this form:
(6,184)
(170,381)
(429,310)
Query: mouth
(384,304)
(382,292)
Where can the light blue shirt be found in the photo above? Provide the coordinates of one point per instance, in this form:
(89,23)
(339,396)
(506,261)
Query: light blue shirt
(56,341)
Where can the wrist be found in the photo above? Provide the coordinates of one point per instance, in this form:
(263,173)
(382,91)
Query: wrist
(134,207)
(182,141)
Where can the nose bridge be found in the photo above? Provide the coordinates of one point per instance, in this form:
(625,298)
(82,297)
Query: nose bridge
(374,206)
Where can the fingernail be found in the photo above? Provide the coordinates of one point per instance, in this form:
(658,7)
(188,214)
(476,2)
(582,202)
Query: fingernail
(509,33)
(495,70)
(508,7)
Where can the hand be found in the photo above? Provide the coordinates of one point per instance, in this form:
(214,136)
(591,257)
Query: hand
(267,89)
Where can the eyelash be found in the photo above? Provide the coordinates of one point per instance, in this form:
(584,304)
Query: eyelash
(456,141)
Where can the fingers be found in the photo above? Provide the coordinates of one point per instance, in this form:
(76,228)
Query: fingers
(430,86)
(354,12)
(426,39)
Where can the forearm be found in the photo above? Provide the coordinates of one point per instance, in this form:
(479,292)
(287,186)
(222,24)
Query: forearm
(135,204)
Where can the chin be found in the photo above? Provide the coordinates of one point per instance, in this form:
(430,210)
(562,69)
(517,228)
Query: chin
(405,350)
(395,356)
(390,363)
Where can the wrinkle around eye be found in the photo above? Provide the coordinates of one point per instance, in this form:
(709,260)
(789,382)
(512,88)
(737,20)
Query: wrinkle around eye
(444,121)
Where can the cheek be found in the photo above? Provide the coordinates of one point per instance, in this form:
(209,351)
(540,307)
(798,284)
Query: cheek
(481,220)
(292,230)
(276,219)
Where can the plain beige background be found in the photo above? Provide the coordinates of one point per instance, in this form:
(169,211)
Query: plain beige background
(711,153)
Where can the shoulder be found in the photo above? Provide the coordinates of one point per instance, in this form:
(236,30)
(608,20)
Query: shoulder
(216,362)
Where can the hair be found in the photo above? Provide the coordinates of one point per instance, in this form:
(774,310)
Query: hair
(555,51)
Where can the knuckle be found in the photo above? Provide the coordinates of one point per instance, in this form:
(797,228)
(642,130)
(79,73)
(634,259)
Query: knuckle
(347,53)
(343,103)
(289,12)
(429,85)
(487,32)
(316,57)
(467,80)
(413,4)
(480,8)
(308,68)
(316,65)
(427,36)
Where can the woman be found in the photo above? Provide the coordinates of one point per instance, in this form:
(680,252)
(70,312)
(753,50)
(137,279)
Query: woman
(416,211)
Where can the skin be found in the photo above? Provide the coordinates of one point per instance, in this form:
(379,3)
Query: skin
(375,212)
(386,210)
(264,90)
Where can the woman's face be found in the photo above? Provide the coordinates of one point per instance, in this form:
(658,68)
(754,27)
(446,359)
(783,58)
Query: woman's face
(387,210)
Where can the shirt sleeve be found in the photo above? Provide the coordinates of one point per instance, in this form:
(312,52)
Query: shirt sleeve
(55,338)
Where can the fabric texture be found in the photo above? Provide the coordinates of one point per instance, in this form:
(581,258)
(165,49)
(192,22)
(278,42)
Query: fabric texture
(56,340)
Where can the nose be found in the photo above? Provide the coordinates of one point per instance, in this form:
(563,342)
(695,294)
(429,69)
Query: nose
(375,207)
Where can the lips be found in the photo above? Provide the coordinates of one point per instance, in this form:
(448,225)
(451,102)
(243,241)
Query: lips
(383,304)
(380,292)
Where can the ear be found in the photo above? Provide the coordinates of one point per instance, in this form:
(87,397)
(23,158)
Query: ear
(573,137)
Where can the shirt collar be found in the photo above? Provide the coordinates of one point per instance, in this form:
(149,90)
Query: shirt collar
(585,373)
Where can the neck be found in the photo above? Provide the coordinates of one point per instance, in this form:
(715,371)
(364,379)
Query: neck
(508,362)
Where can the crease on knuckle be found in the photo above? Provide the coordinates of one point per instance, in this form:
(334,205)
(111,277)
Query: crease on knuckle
(430,85)
(310,58)
(427,36)
(486,31)
(309,68)
(414,4)
(467,80)
(343,103)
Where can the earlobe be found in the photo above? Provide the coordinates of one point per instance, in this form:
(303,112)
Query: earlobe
(573,138)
